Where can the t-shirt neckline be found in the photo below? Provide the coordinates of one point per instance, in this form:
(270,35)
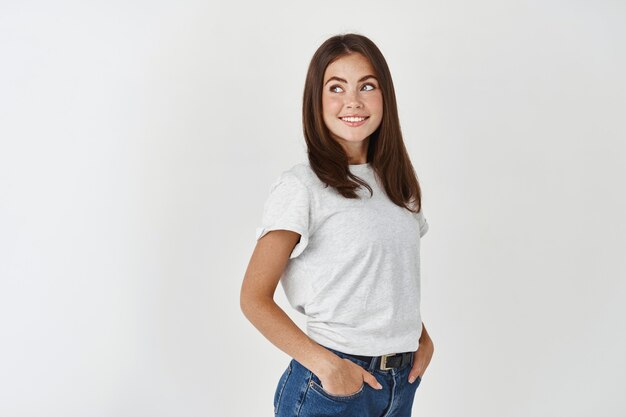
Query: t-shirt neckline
(359,167)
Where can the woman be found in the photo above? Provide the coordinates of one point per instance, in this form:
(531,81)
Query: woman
(342,233)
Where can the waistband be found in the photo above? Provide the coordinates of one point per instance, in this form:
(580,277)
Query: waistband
(383,362)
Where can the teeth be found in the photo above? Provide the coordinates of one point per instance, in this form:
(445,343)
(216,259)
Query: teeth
(353,119)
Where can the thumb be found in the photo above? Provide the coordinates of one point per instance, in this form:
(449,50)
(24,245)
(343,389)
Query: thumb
(371,380)
(413,374)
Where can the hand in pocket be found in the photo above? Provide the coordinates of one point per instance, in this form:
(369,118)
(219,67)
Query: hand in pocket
(347,378)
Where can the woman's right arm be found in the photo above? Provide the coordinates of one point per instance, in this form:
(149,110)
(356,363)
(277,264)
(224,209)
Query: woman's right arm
(267,263)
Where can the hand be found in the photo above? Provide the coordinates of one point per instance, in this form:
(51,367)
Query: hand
(421,359)
(346,378)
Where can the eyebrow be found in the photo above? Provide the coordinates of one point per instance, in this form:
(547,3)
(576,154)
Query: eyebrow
(344,81)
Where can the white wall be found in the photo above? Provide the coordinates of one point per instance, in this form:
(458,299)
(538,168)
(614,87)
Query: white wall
(138,141)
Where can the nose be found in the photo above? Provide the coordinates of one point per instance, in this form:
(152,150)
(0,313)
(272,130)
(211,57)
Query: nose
(353,100)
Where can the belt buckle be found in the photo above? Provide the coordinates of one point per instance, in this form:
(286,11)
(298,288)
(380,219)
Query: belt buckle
(383,362)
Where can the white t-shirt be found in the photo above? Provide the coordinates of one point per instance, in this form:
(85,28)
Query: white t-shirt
(355,273)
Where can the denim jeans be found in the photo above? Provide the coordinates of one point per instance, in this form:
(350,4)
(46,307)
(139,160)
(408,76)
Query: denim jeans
(299,393)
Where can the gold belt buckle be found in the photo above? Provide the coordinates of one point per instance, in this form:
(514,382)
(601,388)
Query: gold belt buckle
(383,362)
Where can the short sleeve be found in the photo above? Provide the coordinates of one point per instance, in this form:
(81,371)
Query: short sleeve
(423,224)
(287,208)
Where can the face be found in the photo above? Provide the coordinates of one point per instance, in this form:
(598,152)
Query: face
(352,102)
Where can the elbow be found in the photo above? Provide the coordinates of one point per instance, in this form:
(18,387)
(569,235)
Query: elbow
(248,302)
(244,302)
(252,303)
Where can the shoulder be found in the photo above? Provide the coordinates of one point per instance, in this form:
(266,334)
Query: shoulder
(291,183)
(299,174)
(301,170)
(422,222)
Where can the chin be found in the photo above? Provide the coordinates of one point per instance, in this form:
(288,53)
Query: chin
(355,138)
(351,138)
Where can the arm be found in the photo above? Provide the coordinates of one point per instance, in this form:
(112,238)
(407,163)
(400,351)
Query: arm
(423,355)
(262,276)
(425,337)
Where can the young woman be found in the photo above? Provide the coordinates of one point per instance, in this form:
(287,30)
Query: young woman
(342,233)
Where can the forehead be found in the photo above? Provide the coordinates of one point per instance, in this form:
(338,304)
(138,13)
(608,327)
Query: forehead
(350,67)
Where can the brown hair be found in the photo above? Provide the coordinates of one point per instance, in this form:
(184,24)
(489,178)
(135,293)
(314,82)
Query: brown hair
(386,151)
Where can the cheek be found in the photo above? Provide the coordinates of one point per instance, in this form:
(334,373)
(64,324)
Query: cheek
(375,104)
(331,105)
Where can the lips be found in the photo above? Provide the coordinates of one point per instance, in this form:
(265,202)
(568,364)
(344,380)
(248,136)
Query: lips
(353,120)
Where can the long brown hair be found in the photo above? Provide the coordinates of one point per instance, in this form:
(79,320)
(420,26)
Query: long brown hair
(386,152)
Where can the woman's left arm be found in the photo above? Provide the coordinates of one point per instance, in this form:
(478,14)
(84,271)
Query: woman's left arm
(425,337)
(422,356)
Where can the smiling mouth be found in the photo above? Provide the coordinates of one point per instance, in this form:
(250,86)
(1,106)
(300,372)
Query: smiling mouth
(354,121)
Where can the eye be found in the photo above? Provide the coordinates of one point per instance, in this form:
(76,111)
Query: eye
(333,87)
(338,89)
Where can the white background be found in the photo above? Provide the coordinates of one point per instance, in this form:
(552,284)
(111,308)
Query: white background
(138,143)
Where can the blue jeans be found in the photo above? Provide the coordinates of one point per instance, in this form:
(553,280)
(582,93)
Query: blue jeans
(299,393)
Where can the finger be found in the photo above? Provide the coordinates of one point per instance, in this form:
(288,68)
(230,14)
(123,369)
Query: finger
(415,371)
(371,380)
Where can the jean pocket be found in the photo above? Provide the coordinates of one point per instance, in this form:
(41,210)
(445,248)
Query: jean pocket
(316,385)
(415,383)
(280,387)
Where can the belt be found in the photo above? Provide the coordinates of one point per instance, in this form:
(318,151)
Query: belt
(385,362)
